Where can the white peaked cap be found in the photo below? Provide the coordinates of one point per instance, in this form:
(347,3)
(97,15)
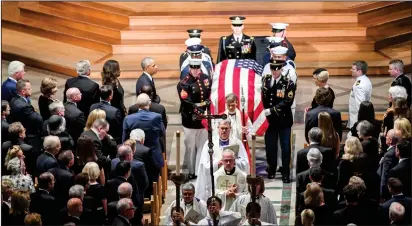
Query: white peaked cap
(195,62)
(279,26)
(193,41)
(274,39)
(279,50)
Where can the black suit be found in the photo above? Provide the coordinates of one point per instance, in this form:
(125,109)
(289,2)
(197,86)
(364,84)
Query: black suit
(143,154)
(120,221)
(45,205)
(45,162)
(404,81)
(118,99)
(44,103)
(402,171)
(104,147)
(404,201)
(113,117)
(312,120)
(302,179)
(4,130)
(157,108)
(90,92)
(71,219)
(328,163)
(389,161)
(237,50)
(144,80)
(355,214)
(371,148)
(28,151)
(22,111)
(111,212)
(64,180)
(75,120)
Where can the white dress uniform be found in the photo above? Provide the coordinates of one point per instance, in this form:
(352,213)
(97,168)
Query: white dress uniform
(240,182)
(267,213)
(361,91)
(197,211)
(203,183)
(225,218)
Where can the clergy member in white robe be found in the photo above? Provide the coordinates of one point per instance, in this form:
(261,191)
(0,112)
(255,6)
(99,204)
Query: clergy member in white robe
(194,208)
(230,181)
(224,218)
(268,213)
(204,183)
(254,219)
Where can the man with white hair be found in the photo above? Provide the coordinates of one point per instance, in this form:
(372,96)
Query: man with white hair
(230,181)
(149,68)
(152,125)
(399,77)
(396,214)
(75,118)
(221,142)
(124,190)
(89,89)
(125,212)
(47,160)
(8,88)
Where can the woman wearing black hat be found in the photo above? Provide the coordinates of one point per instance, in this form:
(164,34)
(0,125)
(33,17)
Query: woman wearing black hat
(57,127)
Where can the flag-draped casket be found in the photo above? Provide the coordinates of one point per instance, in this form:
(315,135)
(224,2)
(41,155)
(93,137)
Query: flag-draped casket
(235,76)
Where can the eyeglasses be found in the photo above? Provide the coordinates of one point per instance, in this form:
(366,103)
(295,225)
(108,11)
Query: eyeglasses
(133,208)
(224,128)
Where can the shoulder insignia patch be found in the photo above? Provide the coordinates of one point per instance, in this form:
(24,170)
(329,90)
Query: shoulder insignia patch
(183,94)
(290,94)
(357,82)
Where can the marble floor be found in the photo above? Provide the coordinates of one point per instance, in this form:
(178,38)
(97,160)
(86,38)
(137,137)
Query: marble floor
(282,195)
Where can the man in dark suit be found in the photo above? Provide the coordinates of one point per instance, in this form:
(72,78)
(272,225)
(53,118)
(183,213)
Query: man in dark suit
(125,211)
(154,107)
(88,88)
(63,176)
(399,78)
(42,202)
(124,191)
(74,211)
(237,45)
(402,171)
(47,160)
(151,123)
(388,161)
(149,70)
(125,153)
(328,163)
(17,134)
(16,72)
(104,143)
(22,111)
(395,188)
(322,97)
(113,115)
(75,118)
(5,112)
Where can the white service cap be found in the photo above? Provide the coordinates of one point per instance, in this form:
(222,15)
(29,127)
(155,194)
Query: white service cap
(193,41)
(279,26)
(275,39)
(195,62)
(279,50)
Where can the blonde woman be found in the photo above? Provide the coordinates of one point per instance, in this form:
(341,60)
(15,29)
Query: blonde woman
(96,190)
(330,138)
(93,116)
(307,217)
(403,125)
(314,200)
(14,151)
(320,77)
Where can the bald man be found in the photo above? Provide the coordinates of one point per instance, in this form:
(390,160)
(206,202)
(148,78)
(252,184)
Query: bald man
(75,118)
(75,210)
(388,161)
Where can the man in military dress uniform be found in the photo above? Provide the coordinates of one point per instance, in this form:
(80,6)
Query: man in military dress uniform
(195,33)
(279,30)
(193,91)
(194,49)
(278,93)
(236,45)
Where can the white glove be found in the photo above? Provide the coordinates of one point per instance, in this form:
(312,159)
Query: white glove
(267,112)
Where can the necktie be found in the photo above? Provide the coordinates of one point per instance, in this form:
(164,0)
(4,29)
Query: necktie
(238,40)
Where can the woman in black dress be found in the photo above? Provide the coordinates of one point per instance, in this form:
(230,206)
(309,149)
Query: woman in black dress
(86,152)
(48,88)
(366,112)
(110,75)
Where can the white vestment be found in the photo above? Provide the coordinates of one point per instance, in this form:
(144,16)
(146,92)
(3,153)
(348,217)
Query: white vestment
(225,218)
(361,91)
(267,212)
(193,213)
(236,125)
(240,182)
(203,183)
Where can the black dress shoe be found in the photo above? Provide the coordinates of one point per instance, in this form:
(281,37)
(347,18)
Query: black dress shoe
(286,179)
(271,176)
(192,176)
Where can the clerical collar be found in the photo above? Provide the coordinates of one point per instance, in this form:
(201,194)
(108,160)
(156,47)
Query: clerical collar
(230,172)
(189,203)
(232,113)
(223,142)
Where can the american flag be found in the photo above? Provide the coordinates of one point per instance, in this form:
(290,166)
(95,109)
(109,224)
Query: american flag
(231,76)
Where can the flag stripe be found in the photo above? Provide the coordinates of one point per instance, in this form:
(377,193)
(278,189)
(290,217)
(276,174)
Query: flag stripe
(236,82)
(251,93)
(221,87)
